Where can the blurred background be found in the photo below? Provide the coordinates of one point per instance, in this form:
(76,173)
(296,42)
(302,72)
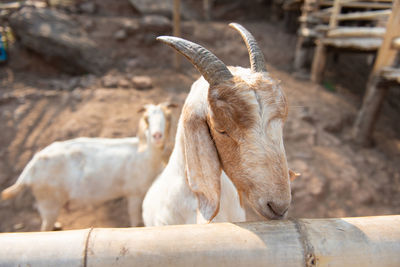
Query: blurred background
(83,68)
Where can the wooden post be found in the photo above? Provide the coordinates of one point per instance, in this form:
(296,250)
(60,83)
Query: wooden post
(369,111)
(300,56)
(320,54)
(375,94)
(364,241)
(386,55)
(333,22)
(207,9)
(319,62)
(177,30)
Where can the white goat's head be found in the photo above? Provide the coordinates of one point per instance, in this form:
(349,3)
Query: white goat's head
(155,124)
(237,127)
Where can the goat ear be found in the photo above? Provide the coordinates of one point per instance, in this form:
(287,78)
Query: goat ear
(293,175)
(203,169)
(171,105)
(141,110)
(141,133)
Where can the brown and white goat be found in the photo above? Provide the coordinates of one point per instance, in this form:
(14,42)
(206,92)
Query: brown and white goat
(232,120)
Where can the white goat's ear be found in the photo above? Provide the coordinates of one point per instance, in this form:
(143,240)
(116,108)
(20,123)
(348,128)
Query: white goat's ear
(170,105)
(142,109)
(203,169)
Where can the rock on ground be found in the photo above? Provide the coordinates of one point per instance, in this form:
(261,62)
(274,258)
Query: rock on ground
(58,39)
(142,82)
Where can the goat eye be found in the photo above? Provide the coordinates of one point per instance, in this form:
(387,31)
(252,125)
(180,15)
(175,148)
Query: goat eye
(221,132)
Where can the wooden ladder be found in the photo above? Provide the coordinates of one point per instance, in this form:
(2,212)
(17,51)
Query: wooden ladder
(385,72)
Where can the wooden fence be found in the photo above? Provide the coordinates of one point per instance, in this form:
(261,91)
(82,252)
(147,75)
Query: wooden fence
(363,241)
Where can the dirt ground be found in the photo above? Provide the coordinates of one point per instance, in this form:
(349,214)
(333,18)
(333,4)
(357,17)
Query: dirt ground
(39,105)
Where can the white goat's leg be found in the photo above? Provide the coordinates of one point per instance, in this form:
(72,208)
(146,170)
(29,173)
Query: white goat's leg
(49,211)
(49,204)
(135,210)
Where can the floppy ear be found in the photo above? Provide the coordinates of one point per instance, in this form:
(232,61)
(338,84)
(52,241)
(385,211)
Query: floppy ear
(167,107)
(143,127)
(203,169)
(142,109)
(171,105)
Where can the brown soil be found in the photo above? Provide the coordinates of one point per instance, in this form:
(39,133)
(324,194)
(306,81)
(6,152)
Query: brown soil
(338,179)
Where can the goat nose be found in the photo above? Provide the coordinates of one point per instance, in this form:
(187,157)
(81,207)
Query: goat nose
(278,209)
(157,136)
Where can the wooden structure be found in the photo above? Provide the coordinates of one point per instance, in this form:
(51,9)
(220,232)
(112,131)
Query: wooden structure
(385,72)
(351,37)
(207,6)
(371,26)
(19,4)
(364,241)
(313,22)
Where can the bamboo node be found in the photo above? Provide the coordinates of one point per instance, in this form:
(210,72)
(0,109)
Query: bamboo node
(311,260)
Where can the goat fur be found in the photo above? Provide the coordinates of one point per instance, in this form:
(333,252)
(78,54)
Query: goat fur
(86,171)
(231,122)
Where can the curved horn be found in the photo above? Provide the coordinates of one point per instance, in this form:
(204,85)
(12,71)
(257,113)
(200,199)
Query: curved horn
(257,62)
(211,67)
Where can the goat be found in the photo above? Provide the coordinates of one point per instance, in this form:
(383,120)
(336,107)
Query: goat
(232,120)
(94,170)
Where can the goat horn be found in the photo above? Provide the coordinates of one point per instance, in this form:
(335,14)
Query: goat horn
(211,67)
(257,62)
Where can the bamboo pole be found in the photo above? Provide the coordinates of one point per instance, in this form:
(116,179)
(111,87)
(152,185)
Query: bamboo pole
(347,3)
(16,5)
(363,241)
(355,32)
(337,7)
(366,15)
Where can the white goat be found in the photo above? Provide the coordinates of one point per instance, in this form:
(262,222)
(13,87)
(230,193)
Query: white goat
(94,170)
(232,119)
